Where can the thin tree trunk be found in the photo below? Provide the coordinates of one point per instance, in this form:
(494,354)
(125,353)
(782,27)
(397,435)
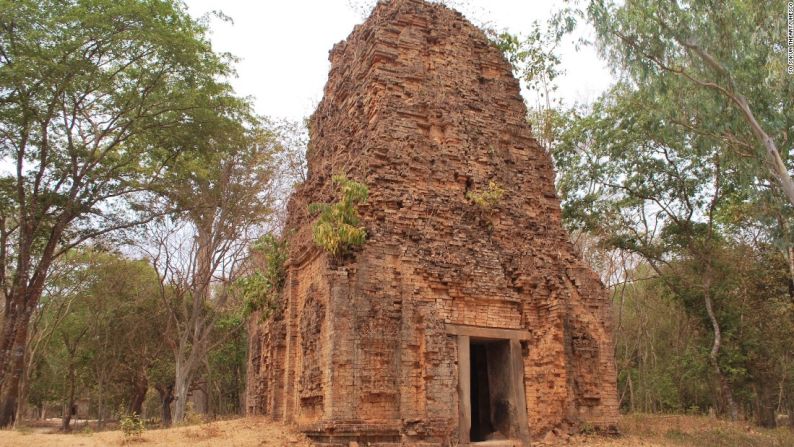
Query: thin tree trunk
(69,410)
(631,392)
(100,418)
(790,411)
(789,253)
(724,386)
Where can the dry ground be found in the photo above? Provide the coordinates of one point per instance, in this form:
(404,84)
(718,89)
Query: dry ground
(638,430)
(679,431)
(233,433)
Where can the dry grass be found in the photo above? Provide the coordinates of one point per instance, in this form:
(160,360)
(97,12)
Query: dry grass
(637,430)
(205,431)
(233,433)
(680,430)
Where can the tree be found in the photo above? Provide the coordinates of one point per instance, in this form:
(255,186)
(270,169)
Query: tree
(226,369)
(223,190)
(106,339)
(678,161)
(537,65)
(59,294)
(652,189)
(728,56)
(84,86)
(640,182)
(124,315)
(662,334)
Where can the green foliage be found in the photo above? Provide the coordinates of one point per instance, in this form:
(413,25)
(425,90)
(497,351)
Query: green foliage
(260,288)
(132,426)
(665,170)
(660,365)
(694,63)
(537,64)
(92,94)
(337,228)
(488,198)
(663,334)
(99,320)
(87,90)
(226,373)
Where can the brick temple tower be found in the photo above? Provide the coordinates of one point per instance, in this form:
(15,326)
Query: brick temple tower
(453,322)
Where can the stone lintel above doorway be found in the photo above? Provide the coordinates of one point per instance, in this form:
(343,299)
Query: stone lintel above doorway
(487,332)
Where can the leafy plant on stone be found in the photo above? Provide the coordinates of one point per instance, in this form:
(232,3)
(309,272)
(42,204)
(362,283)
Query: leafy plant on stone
(487,198)
(337,228)
(261,287)
(536,62)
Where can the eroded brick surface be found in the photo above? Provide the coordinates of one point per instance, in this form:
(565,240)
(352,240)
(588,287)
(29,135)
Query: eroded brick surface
(422,109)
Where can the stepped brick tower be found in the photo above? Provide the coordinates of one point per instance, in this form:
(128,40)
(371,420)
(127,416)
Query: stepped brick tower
(454,323)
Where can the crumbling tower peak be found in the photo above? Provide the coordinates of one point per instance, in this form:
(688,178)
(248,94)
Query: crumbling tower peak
(459,319)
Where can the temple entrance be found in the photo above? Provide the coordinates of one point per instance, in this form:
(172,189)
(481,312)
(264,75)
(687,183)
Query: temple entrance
(490,390)
(492,405)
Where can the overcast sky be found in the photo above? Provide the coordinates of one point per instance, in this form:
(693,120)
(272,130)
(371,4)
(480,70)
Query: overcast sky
(283,46)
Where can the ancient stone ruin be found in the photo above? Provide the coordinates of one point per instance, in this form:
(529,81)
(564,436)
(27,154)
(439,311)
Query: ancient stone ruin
(456,322)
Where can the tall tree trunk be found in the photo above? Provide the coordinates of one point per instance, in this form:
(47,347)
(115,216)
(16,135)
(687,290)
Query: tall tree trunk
(17,330)
(790,411)
(631,392)
(183,380)
(166,393)
(66,419)
(22,395)
(25,293)
(789,253)
(193,344)
(138,395)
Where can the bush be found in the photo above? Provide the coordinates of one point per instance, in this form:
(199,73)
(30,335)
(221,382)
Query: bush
(489,198)
(337,228)
(260,288)
(132,426)
(192,417)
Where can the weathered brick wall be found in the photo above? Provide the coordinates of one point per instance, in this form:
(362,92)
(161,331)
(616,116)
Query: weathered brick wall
(420,107)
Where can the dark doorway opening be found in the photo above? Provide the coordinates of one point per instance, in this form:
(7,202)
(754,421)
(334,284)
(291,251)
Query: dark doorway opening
(490,390)
(481,425)
(491,403)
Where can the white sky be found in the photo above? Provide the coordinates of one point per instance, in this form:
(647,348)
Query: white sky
(283,47)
